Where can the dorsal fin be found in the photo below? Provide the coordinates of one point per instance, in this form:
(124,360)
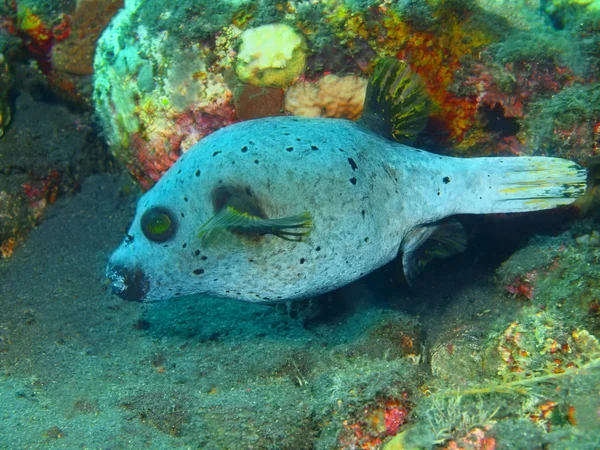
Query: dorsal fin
(396,104)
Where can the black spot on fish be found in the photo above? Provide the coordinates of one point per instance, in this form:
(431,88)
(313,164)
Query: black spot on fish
(166,245)
(203,258)
(244,149)
(177,294)
(184,245)
(298,139)
(353,180)
(341,150)
(352,164)
(302,260)
(198,271)
(182,214)
(438,193)
(314,147)
(363,212)
(256,161)
(179,171)
(290,149)
(318,248)
(286,134)
(185,199)
(216,153)
(250,260)
(197,252)
(248,192)
(446,180)
(251,142)
(198,172)
(366,239)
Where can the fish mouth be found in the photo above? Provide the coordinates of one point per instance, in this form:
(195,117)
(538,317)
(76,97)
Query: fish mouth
(130,285)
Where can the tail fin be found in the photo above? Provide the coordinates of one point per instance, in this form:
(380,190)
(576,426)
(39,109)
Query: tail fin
(521,184)
(484,186)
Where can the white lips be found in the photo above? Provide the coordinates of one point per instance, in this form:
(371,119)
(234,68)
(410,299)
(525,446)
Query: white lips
(118,281)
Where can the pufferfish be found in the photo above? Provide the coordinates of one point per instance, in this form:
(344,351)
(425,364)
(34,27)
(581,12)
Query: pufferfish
(284,208)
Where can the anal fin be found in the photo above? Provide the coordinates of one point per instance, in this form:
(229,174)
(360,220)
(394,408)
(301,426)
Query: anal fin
(431,241)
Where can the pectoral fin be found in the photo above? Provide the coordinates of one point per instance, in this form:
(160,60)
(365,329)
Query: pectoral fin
(292,228)
(426,242)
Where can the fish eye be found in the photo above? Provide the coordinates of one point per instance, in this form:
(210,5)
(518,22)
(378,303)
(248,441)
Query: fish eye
(158,224)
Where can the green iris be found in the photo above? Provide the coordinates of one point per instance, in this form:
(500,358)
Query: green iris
(158,224)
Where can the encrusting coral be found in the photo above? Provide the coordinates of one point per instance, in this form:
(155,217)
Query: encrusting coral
(331,96)
(271,55)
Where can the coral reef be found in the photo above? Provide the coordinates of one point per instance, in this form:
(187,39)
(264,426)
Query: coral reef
(490,67)
(72,56)
(61,36)
(154,99)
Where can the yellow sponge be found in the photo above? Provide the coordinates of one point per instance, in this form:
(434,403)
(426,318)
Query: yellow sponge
(271,55)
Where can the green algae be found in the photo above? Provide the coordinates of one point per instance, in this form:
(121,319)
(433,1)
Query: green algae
(568,112)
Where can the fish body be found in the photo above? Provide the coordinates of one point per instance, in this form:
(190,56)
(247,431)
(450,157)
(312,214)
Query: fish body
(363,199)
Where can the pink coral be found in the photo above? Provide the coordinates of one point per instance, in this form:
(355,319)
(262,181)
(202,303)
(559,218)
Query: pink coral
(197,123)
(523,287)
(514,84)
(374,424)
(154,152)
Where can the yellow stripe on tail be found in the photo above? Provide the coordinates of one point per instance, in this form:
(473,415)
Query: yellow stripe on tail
(534,183)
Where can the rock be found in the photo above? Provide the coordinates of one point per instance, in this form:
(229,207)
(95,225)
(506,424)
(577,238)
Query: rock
(46,152)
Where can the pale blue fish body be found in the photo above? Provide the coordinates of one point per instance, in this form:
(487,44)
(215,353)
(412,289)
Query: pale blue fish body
(370,198)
